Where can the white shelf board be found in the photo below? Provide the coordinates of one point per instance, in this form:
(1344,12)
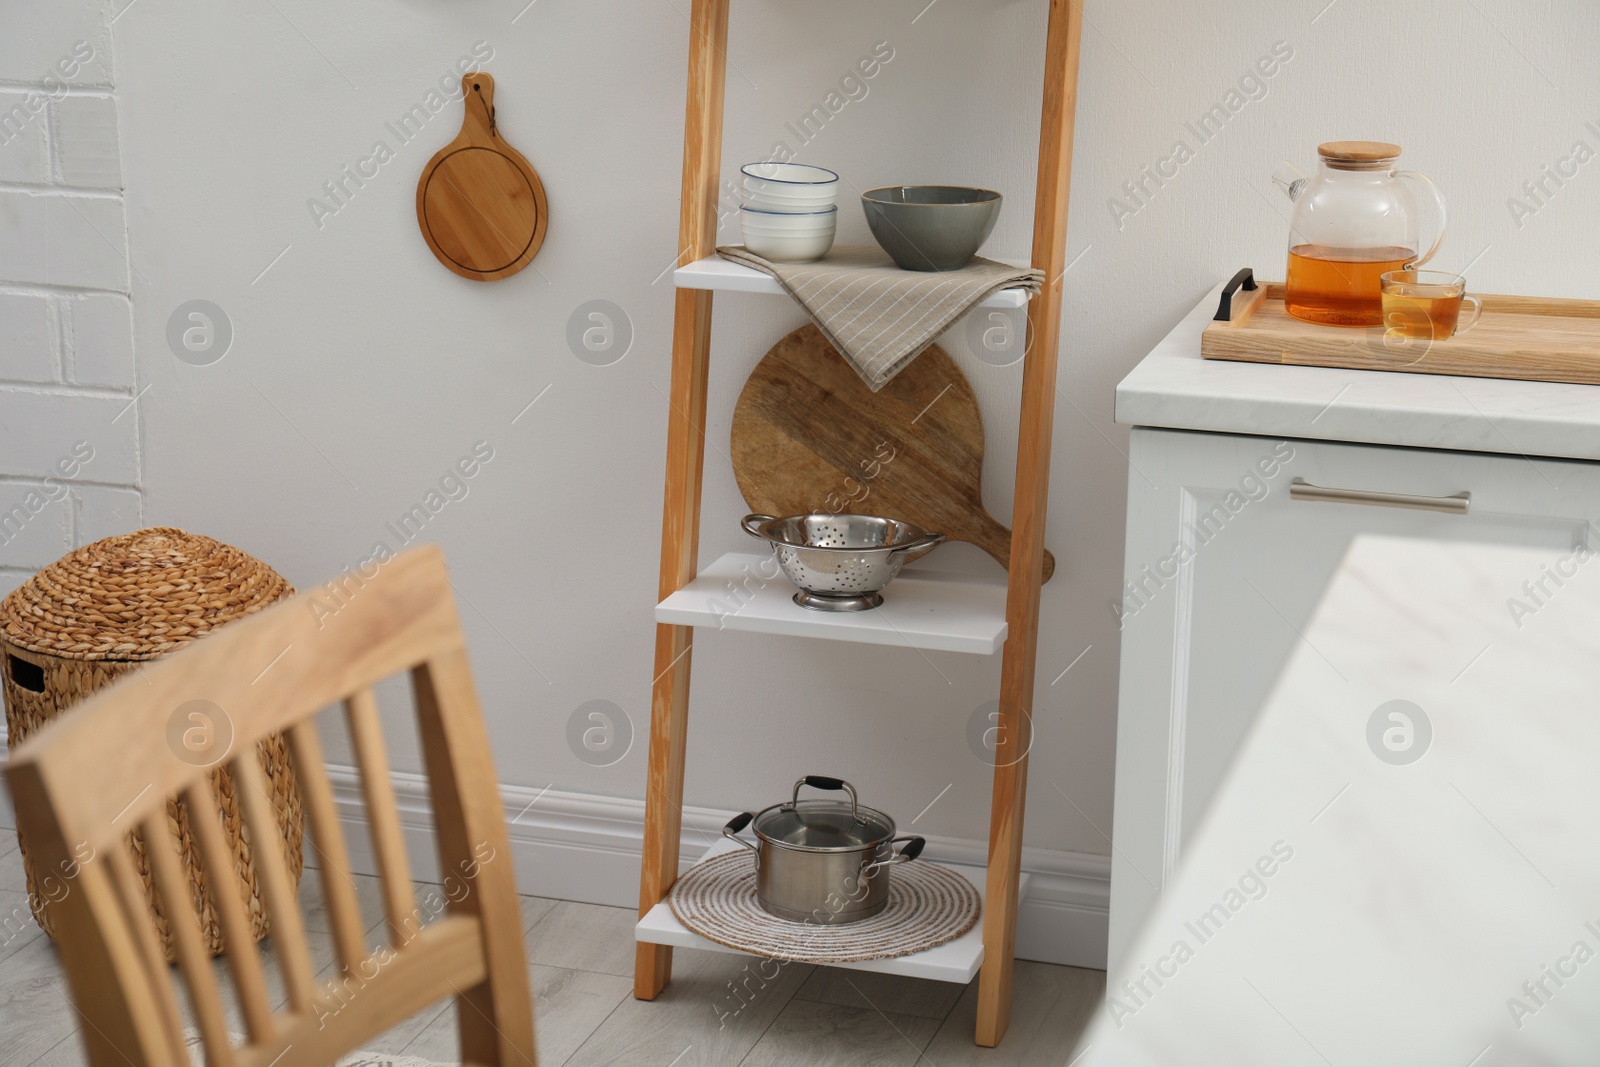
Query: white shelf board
(930,610)
(953,961)
(714,272)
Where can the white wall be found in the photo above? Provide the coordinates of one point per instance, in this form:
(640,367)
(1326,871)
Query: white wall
(361,369)
(69,429)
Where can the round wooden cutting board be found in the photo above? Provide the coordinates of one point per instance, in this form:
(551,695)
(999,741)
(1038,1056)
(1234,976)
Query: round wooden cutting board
(480,204)
(809,436)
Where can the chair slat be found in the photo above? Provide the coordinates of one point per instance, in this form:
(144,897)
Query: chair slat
(228,896)
(173,883)
(495,1020)
(338,888)
(283,906)
(383,816)
(134,906)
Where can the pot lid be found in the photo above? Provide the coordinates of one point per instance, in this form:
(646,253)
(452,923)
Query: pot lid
(823,826)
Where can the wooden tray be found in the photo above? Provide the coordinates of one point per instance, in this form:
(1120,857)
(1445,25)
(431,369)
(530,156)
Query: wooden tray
(1532,338)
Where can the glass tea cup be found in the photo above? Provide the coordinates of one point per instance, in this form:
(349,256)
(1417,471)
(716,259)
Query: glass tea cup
(1426,304)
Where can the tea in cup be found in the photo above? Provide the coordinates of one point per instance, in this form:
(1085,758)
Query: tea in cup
(1426,304)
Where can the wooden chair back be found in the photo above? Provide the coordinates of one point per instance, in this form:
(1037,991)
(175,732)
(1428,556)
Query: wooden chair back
(86,781)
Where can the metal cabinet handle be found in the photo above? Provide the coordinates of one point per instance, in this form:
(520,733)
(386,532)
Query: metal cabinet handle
(1299,489)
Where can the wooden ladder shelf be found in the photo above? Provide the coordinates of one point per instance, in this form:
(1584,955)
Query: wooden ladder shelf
(680,524)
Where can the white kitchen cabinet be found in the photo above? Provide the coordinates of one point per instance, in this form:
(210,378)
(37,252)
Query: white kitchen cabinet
(1224,564)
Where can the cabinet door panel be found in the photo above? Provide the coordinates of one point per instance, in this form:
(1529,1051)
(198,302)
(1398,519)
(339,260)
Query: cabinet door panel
(1224,568)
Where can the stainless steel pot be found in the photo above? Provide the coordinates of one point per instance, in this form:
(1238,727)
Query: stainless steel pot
(823,861)
(840,562)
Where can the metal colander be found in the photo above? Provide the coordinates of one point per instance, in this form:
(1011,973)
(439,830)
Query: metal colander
(840,562)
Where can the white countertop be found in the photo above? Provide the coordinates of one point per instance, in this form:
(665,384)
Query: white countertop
(1173,387)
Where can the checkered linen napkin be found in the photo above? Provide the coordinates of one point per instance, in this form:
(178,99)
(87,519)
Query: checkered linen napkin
(878,316)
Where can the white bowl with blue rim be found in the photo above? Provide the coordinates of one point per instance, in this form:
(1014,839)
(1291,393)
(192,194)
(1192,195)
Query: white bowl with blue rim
(788,236)
(789,187)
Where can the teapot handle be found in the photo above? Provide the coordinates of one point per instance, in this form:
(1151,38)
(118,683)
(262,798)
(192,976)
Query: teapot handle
(1438,199)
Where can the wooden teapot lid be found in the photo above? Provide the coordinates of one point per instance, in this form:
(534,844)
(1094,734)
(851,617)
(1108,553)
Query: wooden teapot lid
(1358,151)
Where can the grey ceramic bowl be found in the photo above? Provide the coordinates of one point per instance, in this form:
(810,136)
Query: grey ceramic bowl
(931,227)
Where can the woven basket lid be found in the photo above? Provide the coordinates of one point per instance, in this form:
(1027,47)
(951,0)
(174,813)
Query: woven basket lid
(137,596)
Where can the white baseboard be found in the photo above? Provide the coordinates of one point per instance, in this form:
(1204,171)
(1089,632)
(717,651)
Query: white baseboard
(576,846)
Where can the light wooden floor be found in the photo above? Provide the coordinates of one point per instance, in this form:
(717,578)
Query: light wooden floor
(581,959)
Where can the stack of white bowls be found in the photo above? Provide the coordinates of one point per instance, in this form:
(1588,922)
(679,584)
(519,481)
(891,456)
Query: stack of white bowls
(790,211)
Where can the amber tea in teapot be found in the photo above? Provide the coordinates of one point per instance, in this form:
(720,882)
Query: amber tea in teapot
(1340,286)
(1354,221)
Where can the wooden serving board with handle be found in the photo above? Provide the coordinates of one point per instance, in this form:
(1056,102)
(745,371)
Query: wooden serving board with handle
(809,436)
(480,204)
(1524,337)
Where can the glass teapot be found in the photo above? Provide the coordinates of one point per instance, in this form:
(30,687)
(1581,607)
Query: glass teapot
(1354,220)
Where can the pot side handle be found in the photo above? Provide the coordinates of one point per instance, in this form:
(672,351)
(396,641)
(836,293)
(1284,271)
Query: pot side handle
(911,851)
(731,832)
(752,524)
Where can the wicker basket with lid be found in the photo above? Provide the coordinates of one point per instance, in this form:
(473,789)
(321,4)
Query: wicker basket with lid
(96,614)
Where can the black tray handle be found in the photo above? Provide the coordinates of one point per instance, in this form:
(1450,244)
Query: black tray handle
(1246,280)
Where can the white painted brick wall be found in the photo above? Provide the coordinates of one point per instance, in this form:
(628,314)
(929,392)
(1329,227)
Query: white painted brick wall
(63,239)
(100,340)
(41,427)
(28,339)
(24,154)
(38,44)
(85,132)
(35,523)
(104,511)
(68,385)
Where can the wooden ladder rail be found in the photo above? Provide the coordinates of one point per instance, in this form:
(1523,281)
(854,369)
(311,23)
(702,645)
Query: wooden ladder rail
(686,447)
(1030,502)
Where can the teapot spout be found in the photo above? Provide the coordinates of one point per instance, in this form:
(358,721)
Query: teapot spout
(1289,178)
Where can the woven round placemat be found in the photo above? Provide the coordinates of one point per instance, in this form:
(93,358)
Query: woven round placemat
(137,596)
(928,905)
